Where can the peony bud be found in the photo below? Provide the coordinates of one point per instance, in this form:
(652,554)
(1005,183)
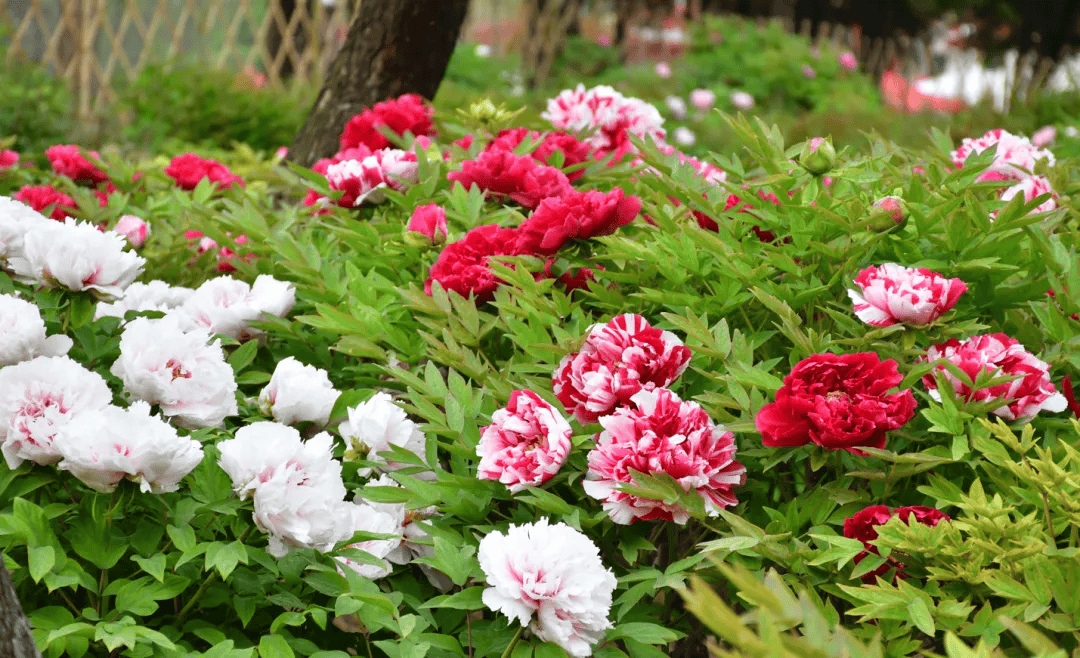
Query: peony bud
(848,61)
(818,156)
(134,228)
(702,99)
(663,70)
(428,221)
(742,100)
(887,212)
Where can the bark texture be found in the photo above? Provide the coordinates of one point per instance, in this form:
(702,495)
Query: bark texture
(16,640)
(393,47)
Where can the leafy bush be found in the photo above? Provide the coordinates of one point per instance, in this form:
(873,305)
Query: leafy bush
(36,108)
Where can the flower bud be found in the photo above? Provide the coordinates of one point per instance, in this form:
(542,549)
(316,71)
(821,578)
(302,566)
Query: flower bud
(427,226)
(887,212)
(134,228)
(818,155)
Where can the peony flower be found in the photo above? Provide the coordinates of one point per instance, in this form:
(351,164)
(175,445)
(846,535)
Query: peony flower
(848,61)
(612,116)
(892,293)
(225,254)
(259,450)
(153,296)
(300,513)
(134,229)
(374,426)
(1043,136)
(573,152)
(68,160)
(181,371)
(549,577)
(1014,156)
(361,517)
(189,169)
(702,99)
(677,106)
(228,307)
(16,220)
(106,445)
(298,393)
(742,100)
(77,256)
(430,222)
(808,72)
(526,443)
(22,333)
(1030,188)
(662,69)
(837,401)
(42,197)
(577,281)
(890,206)
(463,265)
(8,159)
(618,359)
(661,434)
(39,396)
(501,174)
(407,113)
(997,355)
(863,526)
(575,216)
(365,180)
(684,136)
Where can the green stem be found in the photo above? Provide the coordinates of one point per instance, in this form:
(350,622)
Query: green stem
(205,586)
(513,642)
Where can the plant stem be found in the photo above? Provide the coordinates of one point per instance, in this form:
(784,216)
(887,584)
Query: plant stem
(206,585)
(513,642)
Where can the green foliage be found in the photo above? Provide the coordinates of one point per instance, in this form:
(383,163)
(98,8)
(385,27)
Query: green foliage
(36,108)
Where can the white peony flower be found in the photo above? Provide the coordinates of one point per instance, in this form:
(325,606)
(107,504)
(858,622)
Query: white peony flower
(374,426)
(153,296)
(77,256)
(16,219)
(22,333)
(259,450)
(181,371)
(551,578)
(368,518)
(228,307)
(106,445)
(37,398)
(298,393)
(301,513)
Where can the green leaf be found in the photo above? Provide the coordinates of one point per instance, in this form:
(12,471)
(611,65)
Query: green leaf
(274,646)
(41,560)
(644,632)
(920,616)
(154,565)
(466,599)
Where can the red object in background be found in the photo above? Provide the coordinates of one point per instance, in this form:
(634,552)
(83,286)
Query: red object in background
(902,95)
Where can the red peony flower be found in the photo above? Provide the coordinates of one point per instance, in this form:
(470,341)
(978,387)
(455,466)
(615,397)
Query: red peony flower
(662,434)
(736,203)
(998,354)
(225,255)
(526,443)
(501,174)
(576,216)
(407,113)
(8,159)
(356,153)
(863,526)
(837,401)
(68,160)
(42,196)
(892,293)
(430,222)
(577,281)
(463,265)
(574,151)
(188,169)
(618,359)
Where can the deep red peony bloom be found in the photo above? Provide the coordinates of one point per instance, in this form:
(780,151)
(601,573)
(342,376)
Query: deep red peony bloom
(407,113)
(501,174)
(42,196)
(618,359)
(188,169)
(576,216)
(863,526)
(463,265)
(998,354)
(662,434)
(68,160)
(574,151)
(571,282)
(837,401)
(736,203)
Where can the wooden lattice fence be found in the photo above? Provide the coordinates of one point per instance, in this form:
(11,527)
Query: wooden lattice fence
(93,44)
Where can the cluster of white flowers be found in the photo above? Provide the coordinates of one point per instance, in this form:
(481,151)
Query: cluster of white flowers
(374,426)
(23,333)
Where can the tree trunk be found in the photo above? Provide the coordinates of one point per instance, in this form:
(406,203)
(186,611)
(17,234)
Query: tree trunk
(393,47)
(15,638)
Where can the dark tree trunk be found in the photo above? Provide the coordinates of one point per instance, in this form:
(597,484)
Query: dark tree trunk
(393,47)
(15,638)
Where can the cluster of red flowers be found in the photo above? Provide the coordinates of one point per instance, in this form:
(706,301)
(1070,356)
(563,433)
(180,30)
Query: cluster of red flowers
(189,169)
(407,113)
(863,526)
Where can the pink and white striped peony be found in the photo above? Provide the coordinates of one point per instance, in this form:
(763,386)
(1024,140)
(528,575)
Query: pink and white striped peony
(1014,155)
(612,116)
(662,434)
(364,180)
(1031,188)
(998,355)
(890,294)
(526,443)
(618,359)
